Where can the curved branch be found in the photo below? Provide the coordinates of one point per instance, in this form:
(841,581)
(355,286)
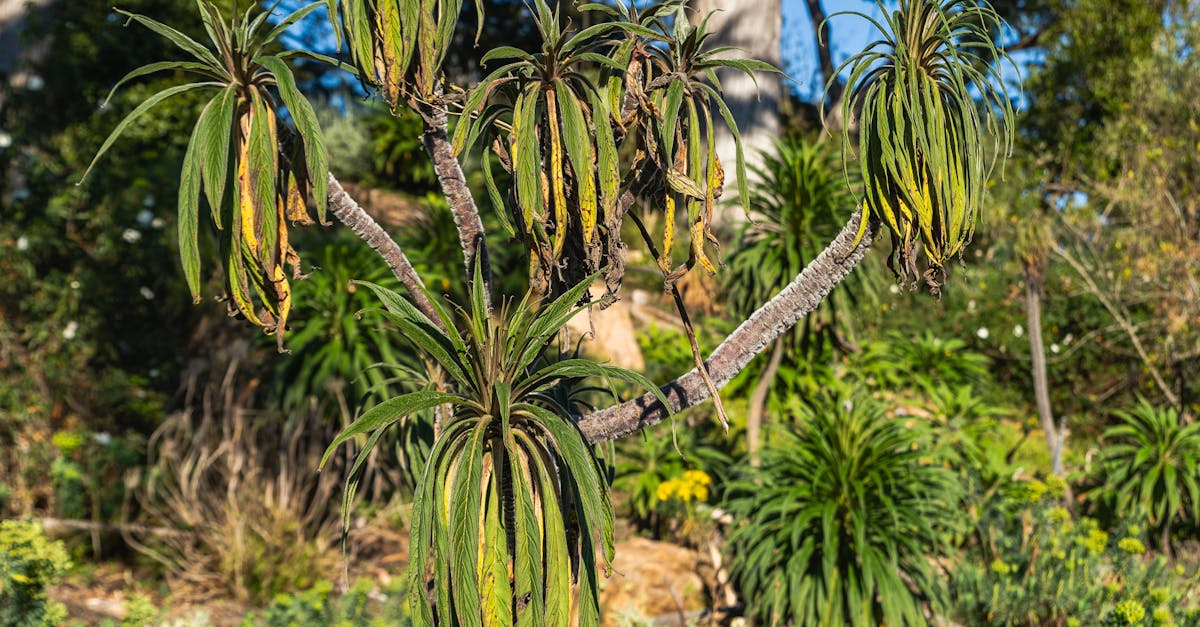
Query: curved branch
(352,215)
(779,314)
(454,188)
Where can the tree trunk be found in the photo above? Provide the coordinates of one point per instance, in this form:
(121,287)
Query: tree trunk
(758,402)
(1041,386)
(1166,539)
(753,27)
(779,314)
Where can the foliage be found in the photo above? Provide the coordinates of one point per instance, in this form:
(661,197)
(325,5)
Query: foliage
(658,456)
(508,467)
(1150,466)
(399,45)
(240,484)
(315,606)
(140,611)
(334,353)
(561,132)
(1042,565)
(922,145)
(237,137)
(28,564)
(76,351)
(796,210)
(396,151)
(88,469)
(839,522)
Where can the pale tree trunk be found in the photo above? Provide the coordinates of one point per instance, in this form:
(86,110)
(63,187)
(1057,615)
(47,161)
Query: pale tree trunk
(758,402)
(12,48)
(1041,386)
(754,27)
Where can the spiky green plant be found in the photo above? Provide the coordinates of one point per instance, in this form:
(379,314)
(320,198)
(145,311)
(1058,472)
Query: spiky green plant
(566,114)
(1151,463)
(236,144)
(559,148)
(671,90)
(512,503)
(838,524)
(399,45)
(925,95)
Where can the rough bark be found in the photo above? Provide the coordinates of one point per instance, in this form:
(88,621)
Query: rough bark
(1041,386)
(758,402)
(458,194)
(779,314)
(352,215)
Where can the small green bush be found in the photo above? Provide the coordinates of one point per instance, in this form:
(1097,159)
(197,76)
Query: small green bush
(361,605)
(29,562)
(1041,565)
(841,523)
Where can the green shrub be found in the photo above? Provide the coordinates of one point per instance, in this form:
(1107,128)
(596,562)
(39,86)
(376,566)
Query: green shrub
(140,611)
(842,521)
(362,604)
(29,562)
(1040,565)
(1150,467)
(655,457)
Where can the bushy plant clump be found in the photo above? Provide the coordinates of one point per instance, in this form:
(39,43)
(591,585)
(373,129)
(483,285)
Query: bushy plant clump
(1041,564)
(838,524)
(29,563)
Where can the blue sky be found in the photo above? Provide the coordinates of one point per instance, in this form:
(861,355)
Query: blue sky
(848,35)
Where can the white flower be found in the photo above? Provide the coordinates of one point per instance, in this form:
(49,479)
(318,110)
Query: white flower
(1018,330)
(74,285)
(70,330)
(102,438)
(22,243)
(982,333)
(895,289)
(144,217)
(146,293)
(1054,348)
(5,139)
(131,235)
(158,223)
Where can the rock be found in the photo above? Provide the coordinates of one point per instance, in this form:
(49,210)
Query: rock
(653,581)
(614,339)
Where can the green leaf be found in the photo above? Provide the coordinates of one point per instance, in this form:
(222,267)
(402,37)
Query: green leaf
(189,200)
(151,68)
(141,109)
(185,43)
(299,14)
(388,412)
(216,128)
(464,528)
(316,157)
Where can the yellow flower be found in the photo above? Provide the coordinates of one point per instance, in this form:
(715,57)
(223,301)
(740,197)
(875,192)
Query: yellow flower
(1094,541)
(1133,546)
(698,477)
